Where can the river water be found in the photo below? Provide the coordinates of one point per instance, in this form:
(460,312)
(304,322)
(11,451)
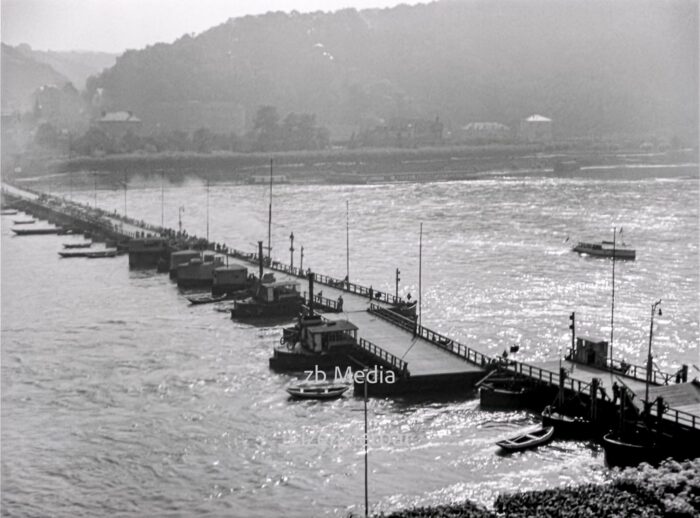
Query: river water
(118,398)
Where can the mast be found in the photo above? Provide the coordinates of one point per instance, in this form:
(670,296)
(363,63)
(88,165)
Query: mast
(420,275)
(125,183)
(94,178)
(366,457)
(269,218)
(162,200)
(612,305)
(207,210)
(347,240)
(650,360)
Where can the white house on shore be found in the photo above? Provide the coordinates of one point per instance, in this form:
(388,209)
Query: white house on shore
(536,128)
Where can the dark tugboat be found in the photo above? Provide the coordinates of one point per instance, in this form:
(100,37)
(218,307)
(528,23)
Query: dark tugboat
(315,344)
(270,298)
(637,438)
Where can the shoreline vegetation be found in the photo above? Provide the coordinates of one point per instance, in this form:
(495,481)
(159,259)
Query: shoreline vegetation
(671,489)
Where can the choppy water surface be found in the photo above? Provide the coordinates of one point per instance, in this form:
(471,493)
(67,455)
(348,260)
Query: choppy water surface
(119,398)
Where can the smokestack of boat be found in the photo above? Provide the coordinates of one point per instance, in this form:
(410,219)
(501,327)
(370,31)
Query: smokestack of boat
(260,259)
(311,293)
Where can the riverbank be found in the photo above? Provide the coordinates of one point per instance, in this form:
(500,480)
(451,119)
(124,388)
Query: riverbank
(671,489)
(350,166)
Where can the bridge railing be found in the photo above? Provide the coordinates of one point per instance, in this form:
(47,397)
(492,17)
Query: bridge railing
(682,418)
(545,376)
(324,303)
(385,358)
(639,372)
(443,342)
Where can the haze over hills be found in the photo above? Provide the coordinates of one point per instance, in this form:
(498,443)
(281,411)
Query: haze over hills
(76,65)
(24,70)
(595,67)
(21,76)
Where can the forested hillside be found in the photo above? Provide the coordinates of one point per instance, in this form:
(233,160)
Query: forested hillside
(596,67)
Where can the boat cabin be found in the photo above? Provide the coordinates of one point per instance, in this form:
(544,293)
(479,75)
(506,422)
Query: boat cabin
(278,290)
(590,352)
(329,335)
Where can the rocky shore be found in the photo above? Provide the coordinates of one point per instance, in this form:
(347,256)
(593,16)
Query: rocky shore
(671,489)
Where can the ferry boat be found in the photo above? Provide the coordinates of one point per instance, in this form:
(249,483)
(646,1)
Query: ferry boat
(271,299)
(605,249)
(315,343)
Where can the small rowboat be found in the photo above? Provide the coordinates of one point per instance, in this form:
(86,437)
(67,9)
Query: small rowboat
(98,254)
(205,299)
(35,231)
(23,221)
(317,391)
(8,212)
(78,245)
(526,440)
(77,253)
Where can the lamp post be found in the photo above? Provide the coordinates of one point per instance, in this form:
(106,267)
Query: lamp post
(179,219)
(649,357)
(291,251)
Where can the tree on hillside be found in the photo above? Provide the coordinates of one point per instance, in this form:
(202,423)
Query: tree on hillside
(266,128)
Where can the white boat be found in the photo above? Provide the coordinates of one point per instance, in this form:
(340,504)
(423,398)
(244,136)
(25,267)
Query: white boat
(317,390)
(605,249)
(529,439)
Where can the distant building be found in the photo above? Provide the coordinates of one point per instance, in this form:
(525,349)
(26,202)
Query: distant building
(402,132)
(536,128)
(118,124)
(484,131)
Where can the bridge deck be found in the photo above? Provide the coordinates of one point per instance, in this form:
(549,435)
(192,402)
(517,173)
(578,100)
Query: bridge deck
(586,373)
(423,358)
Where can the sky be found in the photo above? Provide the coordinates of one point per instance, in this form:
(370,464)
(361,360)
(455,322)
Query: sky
(117,25)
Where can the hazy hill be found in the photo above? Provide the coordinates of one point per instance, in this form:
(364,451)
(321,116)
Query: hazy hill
(77,66)
(595,66)
(21,76)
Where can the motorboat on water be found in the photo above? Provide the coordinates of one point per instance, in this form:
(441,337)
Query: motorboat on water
(87,244)
(605,249)
(528,439)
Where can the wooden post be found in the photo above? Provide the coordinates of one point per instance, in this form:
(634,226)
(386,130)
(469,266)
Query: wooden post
(594,400)
(560,395)
(659,416)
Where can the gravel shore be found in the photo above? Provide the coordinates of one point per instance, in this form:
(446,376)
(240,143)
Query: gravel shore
(670,490)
